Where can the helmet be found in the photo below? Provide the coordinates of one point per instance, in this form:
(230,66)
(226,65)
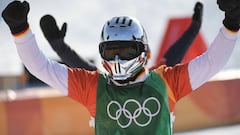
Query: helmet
(123,28)
(123,47)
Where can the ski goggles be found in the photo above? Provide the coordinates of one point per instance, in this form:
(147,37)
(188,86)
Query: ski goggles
(125,50)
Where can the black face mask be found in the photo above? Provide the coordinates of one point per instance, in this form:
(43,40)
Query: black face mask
(126,50)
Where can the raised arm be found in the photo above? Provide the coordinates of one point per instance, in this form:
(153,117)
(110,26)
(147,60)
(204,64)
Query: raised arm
(55,37)
(205,66)
(176,52)
(15,15)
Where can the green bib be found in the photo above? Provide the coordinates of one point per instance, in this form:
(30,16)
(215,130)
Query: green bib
(136,109)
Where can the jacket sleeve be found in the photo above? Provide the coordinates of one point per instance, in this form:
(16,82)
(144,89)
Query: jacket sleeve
(50,72)
(202,68)
(70,57)
(177,51)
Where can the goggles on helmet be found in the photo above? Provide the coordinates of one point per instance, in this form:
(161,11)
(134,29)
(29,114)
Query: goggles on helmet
(125,50)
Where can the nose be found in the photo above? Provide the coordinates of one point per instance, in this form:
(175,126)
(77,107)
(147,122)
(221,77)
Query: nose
(116,57)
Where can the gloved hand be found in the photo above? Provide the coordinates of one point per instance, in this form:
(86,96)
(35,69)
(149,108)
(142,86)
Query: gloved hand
(232,16)
(226,5)
(198,12)
(15,15)
(50,29)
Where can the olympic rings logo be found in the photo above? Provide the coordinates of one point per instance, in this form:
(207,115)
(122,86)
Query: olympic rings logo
(133,116)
